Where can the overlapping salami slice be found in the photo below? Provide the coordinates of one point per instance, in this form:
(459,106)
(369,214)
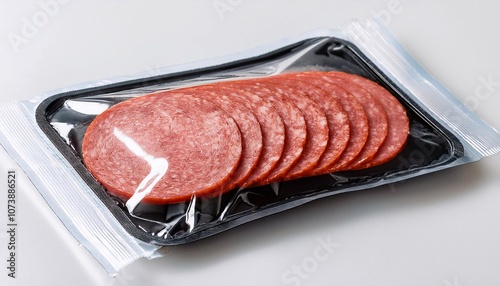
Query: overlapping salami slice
(251,133)
(272,126)
(162,148)
(338,123)
(398,122)
(316,124)
(355,113)
(295,126)
(375,113)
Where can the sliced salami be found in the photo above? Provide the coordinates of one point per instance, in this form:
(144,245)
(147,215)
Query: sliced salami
(272,126)
(375,113)
(169,146)
(338,123)
(355,113)
(316,124)
(398,122)
(295,127)
(163,148)
(251,133)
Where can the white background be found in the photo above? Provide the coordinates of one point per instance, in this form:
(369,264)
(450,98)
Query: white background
(441,229)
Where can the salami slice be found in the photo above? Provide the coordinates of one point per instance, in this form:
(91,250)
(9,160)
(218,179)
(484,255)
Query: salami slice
(294,122)
(355,113)
(377,119)
(163,148)
(251,133)
(398,122)
(316,126)
(272,126)
(338,123)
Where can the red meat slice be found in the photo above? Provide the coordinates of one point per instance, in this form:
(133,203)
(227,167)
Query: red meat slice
(338,123)
(377,119)
(398,122)
(295,126)
(316,126)
(271,123)
(143,148)
(355,113)
(249,127)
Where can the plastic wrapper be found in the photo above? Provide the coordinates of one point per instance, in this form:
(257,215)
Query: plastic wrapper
(45,135)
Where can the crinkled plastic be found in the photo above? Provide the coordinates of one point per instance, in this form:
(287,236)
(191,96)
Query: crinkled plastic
(44,136)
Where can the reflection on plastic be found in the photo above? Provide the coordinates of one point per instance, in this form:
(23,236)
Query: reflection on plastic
(63,128)
(85,107)
(159,167)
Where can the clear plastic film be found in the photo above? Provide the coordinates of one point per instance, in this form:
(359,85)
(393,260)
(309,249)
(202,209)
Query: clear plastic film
(50,131)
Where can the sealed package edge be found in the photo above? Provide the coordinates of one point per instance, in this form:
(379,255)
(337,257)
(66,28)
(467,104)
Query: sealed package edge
(142,162)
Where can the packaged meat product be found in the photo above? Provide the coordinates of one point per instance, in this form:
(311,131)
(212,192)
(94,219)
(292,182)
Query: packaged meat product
(142,162)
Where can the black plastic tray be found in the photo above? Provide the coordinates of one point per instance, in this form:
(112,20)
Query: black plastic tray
(429,145)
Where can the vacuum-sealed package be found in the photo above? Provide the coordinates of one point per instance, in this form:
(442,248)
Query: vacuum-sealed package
(133,164)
